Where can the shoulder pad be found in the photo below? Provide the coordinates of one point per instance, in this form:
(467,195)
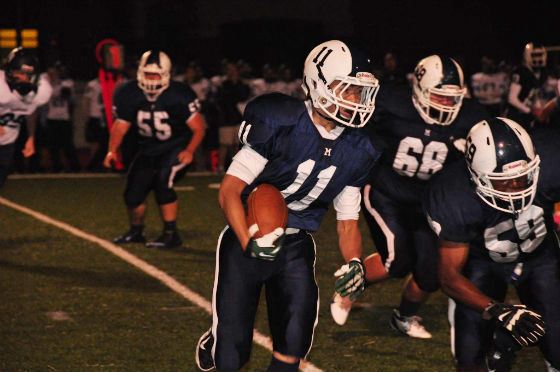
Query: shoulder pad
(275,109)
(44,91)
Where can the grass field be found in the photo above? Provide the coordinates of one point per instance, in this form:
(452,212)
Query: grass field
(69,304)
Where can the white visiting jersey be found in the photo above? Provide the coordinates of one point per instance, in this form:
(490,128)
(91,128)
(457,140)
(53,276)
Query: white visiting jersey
(14,108)
(59,106)
(490,89)
(93,94)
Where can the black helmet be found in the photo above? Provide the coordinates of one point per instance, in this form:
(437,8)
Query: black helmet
(22,61)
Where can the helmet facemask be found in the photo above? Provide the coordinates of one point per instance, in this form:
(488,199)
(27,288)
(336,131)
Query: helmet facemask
(338,81)
(154,64)
(489,186)
(535,57)
(439,105)
(340,93)
(22,71)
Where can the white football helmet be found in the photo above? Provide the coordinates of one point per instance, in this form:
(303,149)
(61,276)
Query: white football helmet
(535,57)
(335,61)
(503,164)
(438,89)
(154,62)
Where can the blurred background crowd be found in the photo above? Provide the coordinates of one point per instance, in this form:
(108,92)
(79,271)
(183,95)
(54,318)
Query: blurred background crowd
(72,134)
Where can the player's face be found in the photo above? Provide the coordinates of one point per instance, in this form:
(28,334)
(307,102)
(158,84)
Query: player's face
(512,185)
(21,76)
(152,76)
(349,93)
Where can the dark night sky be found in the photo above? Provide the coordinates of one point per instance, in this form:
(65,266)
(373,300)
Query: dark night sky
(285,31)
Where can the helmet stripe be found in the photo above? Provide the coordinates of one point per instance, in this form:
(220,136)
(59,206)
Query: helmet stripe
(511,149)
(451,75)
(153,58)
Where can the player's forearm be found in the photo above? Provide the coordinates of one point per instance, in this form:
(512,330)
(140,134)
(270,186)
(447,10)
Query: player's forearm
(458,287)
(196,140)
(349,239)
(513,99)
(229,198)
(31,124)
(117,134)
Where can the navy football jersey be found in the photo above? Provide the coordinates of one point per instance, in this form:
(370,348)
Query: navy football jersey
(413,150)
(308,169)
(529,83)
(161,125)
(458,214)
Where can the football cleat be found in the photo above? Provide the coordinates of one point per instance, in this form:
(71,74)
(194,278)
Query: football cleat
(409,325)
(167,240)
(203,353)
(131,236)
(340,308)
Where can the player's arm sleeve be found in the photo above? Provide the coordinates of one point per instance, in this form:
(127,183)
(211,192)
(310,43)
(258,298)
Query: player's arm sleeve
(257,132)
(347,203)
(122,107)
(247,164)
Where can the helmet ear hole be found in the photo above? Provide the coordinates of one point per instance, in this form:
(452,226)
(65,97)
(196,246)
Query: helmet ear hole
(323,100)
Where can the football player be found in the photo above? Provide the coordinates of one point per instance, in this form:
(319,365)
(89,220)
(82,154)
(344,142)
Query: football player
(526,80)
(493,216)
(420,136)
(165,115)
(22,91)
(311,152)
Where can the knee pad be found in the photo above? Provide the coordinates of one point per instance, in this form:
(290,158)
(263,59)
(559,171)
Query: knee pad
(428,282)
(165,196)
(133,199)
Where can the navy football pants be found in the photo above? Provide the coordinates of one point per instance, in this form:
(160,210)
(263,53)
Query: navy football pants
(538,288)
(156,173)
(402,237)
(292,299)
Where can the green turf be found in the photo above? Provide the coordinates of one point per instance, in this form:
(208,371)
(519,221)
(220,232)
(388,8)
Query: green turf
(117,318)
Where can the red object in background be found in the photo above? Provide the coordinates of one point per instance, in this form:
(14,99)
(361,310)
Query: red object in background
(214,160)
(109,54)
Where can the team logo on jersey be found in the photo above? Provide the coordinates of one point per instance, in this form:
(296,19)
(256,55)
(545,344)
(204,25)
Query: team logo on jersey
(327,151)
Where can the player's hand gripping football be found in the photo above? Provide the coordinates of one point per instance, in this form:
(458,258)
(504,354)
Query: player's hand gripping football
(525,326)
(351,279)
(267,246)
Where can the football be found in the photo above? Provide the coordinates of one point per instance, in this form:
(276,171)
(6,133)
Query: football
(266,210)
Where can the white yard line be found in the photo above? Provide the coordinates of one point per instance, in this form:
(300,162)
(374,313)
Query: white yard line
(195,298)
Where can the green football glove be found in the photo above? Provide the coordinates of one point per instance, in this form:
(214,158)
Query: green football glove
(351,279)
(266,247)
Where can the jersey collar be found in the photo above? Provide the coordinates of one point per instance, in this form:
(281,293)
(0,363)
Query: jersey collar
(333,134)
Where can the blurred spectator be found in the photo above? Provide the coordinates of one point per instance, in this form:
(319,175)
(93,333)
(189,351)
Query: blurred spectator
(194,78)
(290,85)
(201,86)
(59,120)
(230,99)
(489,86)
(391,71)
(97,135)
(267,83)
(526,80)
